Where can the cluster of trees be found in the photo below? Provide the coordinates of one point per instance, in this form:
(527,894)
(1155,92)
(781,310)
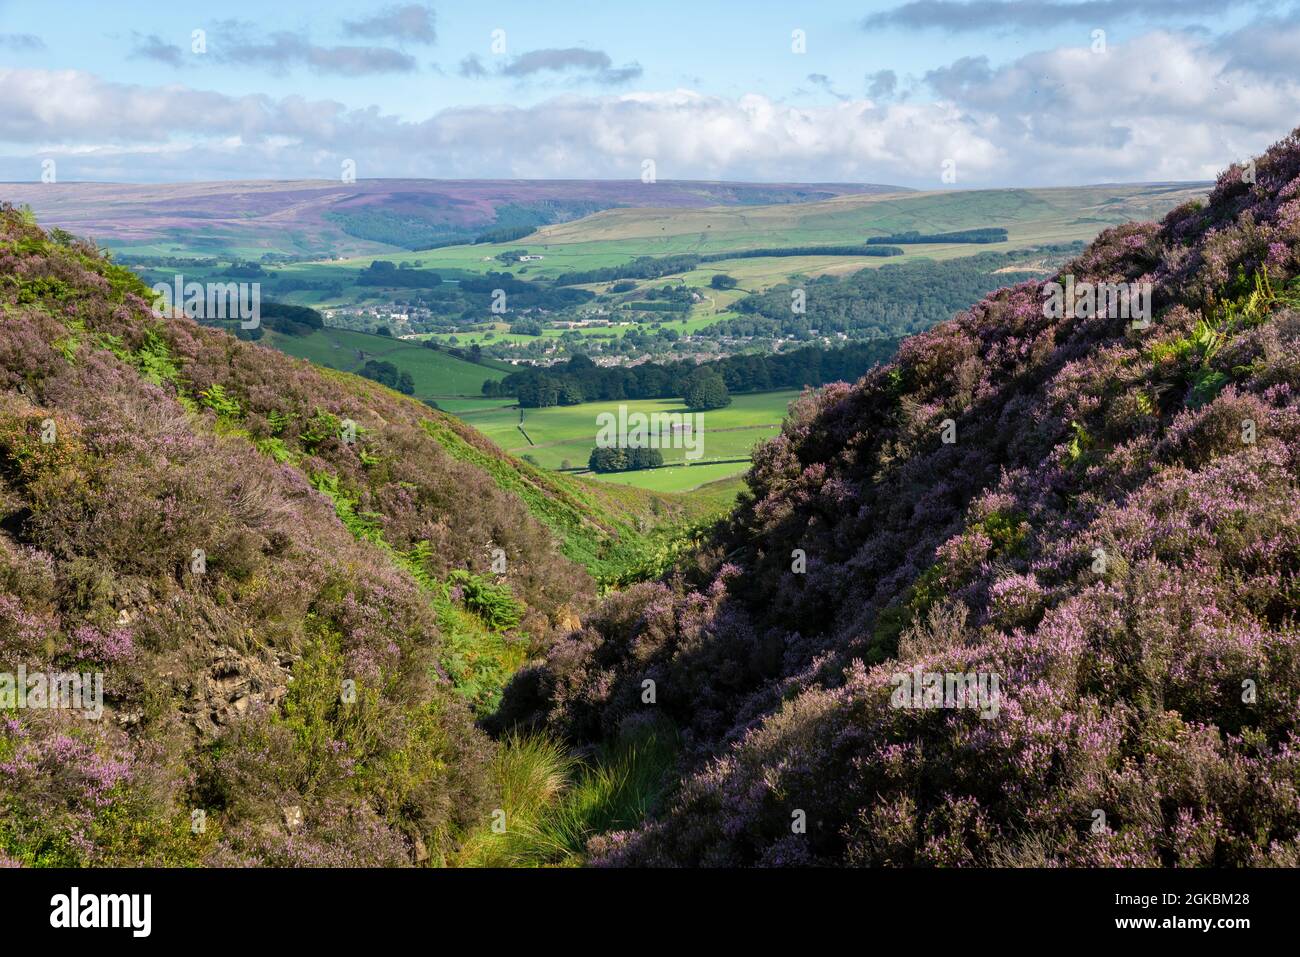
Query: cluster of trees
(381,272)
(679,292)
(874,249)
(168,262)
(282,283)
(471,299)
(674,297)
(892,301)
(581,380)
(624,460)
(385,373)
(246,270)
(473,354)
(660,305)
(990,234)
(290,319)
(522,294)
(285,318)
(504,234)
(652,267)
(643,267)
(706,390)
(429,230)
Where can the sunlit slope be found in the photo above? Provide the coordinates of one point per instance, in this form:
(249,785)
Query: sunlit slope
(434,373)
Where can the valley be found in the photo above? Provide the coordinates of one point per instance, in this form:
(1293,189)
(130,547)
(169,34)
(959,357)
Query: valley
(472,460)
(430,323)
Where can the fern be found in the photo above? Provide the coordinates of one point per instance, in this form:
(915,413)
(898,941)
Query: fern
(154,361)
(214,397)
(491,602)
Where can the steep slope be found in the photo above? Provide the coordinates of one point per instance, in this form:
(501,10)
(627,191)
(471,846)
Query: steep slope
(293,624)
(1114,534)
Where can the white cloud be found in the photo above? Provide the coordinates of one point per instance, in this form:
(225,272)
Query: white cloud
(1163,106)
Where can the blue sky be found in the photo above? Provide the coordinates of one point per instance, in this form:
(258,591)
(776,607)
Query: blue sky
(1009,93)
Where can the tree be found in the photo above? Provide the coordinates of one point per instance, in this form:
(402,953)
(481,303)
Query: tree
(538,391)
(644,459)
(722,281)
(607,460)
(705,390)
(570,392)
(623,460)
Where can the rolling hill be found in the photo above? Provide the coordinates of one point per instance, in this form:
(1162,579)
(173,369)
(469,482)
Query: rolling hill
(1031,217)
(318,219)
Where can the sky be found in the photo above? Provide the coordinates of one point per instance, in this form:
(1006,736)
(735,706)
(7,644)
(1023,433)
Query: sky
(923,93)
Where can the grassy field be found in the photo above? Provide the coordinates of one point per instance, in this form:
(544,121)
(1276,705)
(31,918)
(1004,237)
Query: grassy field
(560,437)
(563,437)
(436,374)
(680,478)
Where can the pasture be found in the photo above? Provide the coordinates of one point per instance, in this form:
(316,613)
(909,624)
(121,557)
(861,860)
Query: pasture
(563,436)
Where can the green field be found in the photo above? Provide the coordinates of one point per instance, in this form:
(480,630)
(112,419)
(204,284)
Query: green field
(559,437)
(1031,217)
(436,374)
(678,478)
(563,436)
(466,407)
(616,236)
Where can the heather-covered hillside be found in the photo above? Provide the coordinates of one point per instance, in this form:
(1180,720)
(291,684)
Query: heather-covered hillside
(295,624)
(1114,532)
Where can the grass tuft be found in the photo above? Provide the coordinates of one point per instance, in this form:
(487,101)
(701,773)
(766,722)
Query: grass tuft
(554,804)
